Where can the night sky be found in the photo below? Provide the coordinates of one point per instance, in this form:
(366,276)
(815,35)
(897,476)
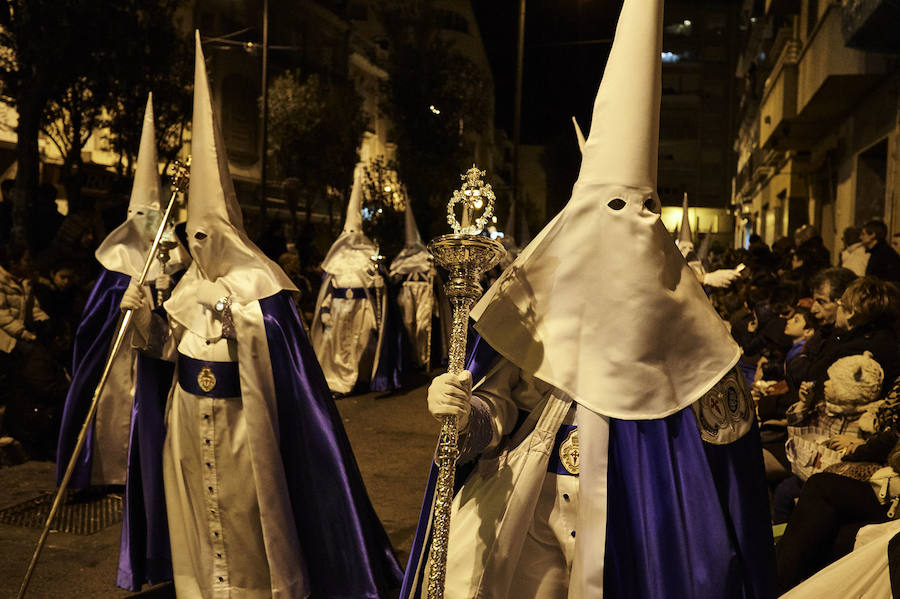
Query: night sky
(563,61)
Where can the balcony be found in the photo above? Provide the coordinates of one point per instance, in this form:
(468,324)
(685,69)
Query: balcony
(871,25)
(779,103)
(831,80)
(782,7)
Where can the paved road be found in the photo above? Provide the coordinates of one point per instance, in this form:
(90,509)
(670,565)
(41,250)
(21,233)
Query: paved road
(393,438)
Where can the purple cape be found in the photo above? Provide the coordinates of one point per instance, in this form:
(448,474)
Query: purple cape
(395,360)
(347,551)
(685,518)
(93,339)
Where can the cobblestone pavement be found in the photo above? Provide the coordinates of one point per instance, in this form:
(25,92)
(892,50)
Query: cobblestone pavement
(392,436)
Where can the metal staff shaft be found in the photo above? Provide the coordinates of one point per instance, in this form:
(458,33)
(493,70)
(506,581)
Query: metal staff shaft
(92,411)
(466,257)
(448,452)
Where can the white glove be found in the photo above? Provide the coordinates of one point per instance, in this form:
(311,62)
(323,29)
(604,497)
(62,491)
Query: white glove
(451,395)
(208,293)
(135,297)
(721,278)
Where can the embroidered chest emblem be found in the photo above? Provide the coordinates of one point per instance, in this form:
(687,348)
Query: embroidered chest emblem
(568,452)
(206,379)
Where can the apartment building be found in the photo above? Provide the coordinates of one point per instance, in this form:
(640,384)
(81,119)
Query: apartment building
(818,131)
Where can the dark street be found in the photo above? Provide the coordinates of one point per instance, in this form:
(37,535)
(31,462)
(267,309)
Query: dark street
(393,438)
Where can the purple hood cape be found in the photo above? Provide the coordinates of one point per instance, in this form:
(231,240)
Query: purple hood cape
(704,509)
(144,556)
(93,339)
(347,551)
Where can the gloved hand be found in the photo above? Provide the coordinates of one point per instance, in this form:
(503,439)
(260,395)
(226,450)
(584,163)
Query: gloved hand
(134,297)
(721,278)
(208,292)
(451,395)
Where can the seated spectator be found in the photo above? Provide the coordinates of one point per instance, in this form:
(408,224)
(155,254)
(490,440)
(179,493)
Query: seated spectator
(835,504)
(808,240)
(854,255)
(864,321)
(34,394)
(884,262)
(827,286)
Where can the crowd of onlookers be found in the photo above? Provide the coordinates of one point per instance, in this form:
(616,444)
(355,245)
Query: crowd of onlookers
(822,358)
(820,355)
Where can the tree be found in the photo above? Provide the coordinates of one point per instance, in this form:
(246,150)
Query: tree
(161,61)
(314,132)
(62,63)
(384,200)
(433,94)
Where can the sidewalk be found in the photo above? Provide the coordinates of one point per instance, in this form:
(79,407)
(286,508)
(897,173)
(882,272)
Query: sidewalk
(393,438)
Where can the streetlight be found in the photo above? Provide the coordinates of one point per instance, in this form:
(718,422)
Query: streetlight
(263,139)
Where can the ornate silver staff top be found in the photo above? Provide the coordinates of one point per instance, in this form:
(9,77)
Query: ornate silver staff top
(466,255)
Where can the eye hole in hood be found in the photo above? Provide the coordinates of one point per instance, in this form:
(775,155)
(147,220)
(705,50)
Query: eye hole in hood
(199,235)
(616,203)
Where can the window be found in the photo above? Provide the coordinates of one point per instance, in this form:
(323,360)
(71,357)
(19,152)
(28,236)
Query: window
(451,21)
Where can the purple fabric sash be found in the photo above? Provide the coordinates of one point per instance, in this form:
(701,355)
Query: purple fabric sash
(93,338)
(224,377)
(347,550)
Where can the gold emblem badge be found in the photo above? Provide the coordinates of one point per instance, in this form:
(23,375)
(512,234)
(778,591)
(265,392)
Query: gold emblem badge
(568,452)
(349,294)
(206,379)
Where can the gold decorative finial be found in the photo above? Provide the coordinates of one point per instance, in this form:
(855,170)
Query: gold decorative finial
(474,195)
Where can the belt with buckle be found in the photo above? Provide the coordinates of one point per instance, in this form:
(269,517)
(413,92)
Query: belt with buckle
(348,292)
(209,379)
(564,459)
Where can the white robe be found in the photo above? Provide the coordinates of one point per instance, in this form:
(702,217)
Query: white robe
(416,301)
(346,331)
(231,525)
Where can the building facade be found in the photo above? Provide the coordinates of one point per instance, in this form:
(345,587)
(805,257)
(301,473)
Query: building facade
(818,136)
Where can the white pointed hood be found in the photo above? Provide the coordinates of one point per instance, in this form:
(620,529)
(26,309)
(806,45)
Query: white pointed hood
(221,249)
(601,304)
(414,257)
(578,135)
(125,249)
(352,251)
(685,241)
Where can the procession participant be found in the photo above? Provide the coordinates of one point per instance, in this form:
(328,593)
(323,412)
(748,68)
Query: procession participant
(122,254)
(722,277)
(263,495)
(615,442)
(423,306)
(350,310)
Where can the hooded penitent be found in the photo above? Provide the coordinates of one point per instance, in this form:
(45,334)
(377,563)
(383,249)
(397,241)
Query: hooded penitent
(268,463)
(578,135)
(348,323)
(128,428)
(638,337)
(602,309)
(413,272)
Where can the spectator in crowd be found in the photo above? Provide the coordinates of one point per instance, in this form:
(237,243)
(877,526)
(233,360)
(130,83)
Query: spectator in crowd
(807,239)
(834,505)
(884,262)
(854,255)
(34,394)
(45,218)
(6,209)
(864,321)
(895,243)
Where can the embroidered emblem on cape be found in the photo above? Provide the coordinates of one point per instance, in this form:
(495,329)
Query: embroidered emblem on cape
(568,452)
(724,413)
(206,379)
(349,294)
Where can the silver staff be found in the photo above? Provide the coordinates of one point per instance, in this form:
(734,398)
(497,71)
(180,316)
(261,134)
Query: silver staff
(466,255)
